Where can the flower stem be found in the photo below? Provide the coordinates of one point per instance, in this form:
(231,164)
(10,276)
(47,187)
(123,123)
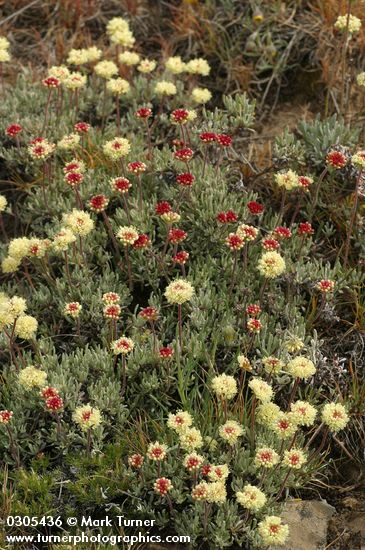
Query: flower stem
(353,217)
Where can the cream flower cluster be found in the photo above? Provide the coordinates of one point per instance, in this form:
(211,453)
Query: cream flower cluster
(3,203)
(106,69)
(87,417)
(231,431)
(165,88)
(179,291)
(261,389)
(83,56)
(271,265)
(349,22)
(119,32)
(63,239)
(69,142)
(360,79)
(129,58)
(251,498)
(11,309)
(4,49)
(198,66)
(79,222)
(31,377)
(289,180)
(301,367)
(117,148)
(335,416)
(272,531)
(190,438)
(224,386)
(118,86)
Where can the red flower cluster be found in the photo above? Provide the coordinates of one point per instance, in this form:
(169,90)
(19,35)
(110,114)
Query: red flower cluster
(305,182)
(206,469)
(52,400)
(224,140)
(121,185)
(336,159)
(162,208)
(148,313)
(181,257)
(112,311)
(177,236)
(270,244)
(51,82)
(136,167)
(5,416)
(180,116)
(305,228)
(208,137)
(186,179)
(253,309)
(162,486)
(98,203)
(48,391)
(166,352)
(234,242)
(255,207)
(227,217)
(142,242)
(82,127)
(254,325)
(136,461)
(74,178)
(185,154)
(54,403)
(144,112)
(281,232)
(13,130)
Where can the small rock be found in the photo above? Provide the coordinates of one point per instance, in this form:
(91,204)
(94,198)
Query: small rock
(308,524)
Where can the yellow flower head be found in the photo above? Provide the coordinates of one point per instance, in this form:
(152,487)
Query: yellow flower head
(295,458)
(266,413)
(351,23)
(117,148)
(198,66)
(26,327)
(106,69)
(87,417)
(251,498)
(127,235)
(179,421)
(118,86)
(31,377)
(175,65)
(262,390)
(224,386)
(191,439)
(216,492)
(303,413)
(273,531)
(79,222)
(129,58)
(201,95)
(231,431)
(289,180)
(179,291)
(165,88)
(271,265)
(335,416)
(301,367)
